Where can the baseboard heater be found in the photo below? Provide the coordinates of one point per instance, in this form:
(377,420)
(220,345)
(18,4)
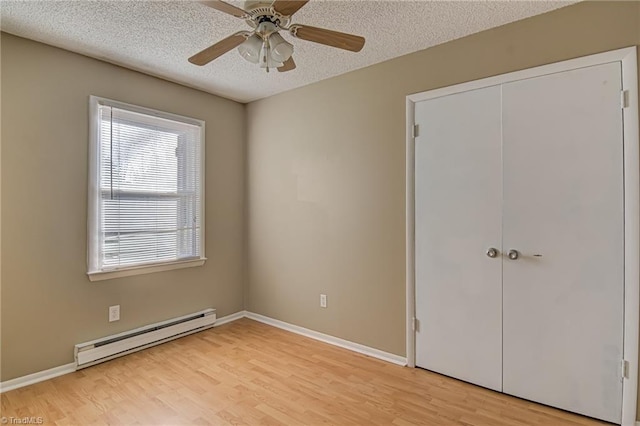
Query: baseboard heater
(100,350)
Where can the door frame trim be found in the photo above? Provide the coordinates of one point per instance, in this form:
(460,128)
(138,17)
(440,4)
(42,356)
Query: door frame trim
(628,59)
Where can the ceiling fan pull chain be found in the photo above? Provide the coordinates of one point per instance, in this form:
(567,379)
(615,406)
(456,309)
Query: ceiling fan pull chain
(267,52)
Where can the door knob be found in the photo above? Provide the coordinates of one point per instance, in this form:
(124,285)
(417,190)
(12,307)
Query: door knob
(513,254)
(492,252)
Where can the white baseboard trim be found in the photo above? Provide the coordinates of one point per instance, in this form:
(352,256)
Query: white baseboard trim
(40,376)
(230,318)
(336,341)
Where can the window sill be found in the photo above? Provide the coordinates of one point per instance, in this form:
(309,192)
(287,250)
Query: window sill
(146,269)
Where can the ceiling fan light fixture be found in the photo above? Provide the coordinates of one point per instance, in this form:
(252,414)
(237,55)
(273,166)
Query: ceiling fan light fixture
(266,58)
(281,50)
(251,48)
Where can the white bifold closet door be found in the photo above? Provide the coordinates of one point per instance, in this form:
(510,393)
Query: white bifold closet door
(563,200)
(458,214)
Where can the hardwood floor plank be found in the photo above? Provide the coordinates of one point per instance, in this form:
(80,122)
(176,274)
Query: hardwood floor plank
(248,373)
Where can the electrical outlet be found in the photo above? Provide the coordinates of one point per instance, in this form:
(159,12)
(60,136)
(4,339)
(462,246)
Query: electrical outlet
(114,313)
(323,300)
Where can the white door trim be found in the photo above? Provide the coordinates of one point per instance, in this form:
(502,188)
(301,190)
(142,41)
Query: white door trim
(628,58)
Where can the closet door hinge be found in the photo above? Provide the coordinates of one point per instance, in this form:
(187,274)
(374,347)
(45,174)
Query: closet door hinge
(625,369)
(415,324)
(624,99)
(414,130)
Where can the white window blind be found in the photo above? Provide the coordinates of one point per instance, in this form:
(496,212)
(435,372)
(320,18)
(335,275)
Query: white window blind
(146,188)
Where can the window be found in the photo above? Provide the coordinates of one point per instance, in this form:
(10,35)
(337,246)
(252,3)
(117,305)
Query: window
(145,190)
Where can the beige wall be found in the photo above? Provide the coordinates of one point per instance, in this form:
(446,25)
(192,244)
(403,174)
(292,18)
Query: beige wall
(324,202)
(48,304)
(326,171)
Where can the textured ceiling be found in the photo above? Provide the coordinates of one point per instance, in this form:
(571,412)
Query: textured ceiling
(157,37)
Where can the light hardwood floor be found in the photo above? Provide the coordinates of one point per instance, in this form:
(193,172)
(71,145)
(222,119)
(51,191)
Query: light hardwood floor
(248,373)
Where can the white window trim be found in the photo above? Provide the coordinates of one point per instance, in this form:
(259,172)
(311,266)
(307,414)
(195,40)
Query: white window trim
(144,269)
(94,191)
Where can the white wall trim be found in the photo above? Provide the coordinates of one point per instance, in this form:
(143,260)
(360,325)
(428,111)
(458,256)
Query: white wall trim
(40,376)
(335,341)
(230,318)
(628,58)
(631,235)
(145,269)
(410,267)
(571,64)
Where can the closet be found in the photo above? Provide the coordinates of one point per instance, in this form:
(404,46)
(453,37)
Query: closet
(519,225)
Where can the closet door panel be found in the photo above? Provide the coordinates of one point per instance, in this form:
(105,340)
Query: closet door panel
(563,211)
(458,193)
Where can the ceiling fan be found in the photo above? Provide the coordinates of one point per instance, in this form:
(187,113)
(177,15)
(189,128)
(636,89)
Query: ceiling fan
(264,45)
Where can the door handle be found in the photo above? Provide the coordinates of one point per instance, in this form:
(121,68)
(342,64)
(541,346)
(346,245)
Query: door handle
(492,252)
(513,254)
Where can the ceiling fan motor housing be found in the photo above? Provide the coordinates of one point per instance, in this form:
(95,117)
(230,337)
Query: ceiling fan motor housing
(261,11)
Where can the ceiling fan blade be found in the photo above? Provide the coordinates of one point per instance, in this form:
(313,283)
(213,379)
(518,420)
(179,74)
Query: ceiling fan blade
(288,7)
(226,8)
(219,49)
(288,65)
(330,38)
